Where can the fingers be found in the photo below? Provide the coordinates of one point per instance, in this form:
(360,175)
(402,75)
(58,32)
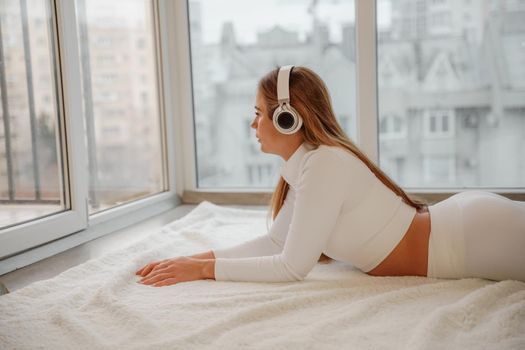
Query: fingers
(148,268)
(155,273)
(156,268)
(163,264)
(156,278)
(141,270)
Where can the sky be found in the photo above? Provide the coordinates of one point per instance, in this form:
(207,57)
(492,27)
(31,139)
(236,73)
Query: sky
(250,16)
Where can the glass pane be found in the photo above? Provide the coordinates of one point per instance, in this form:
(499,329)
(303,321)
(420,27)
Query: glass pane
(31,180)
(121,101)
(232,46)
(456,71)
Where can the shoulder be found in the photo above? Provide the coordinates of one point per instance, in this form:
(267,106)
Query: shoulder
(328,166)
(326,170)
(330,156)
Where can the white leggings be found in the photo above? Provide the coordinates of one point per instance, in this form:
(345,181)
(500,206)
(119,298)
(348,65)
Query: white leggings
(477,234)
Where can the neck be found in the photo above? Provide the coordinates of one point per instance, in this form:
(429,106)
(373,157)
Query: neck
(291,148)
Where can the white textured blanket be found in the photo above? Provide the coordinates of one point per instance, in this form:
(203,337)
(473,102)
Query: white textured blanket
(99,305)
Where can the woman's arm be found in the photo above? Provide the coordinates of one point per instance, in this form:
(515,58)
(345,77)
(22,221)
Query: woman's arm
(268,244)
(208,271)
(321,190)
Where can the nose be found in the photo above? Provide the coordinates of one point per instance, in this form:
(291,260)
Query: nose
(254,123)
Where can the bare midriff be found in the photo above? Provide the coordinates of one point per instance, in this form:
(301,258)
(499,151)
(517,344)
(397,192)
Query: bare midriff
(410,256)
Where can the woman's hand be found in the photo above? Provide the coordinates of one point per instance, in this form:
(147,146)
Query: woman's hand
(181,269)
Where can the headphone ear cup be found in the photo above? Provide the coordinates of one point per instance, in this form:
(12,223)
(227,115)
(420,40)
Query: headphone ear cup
(286,119)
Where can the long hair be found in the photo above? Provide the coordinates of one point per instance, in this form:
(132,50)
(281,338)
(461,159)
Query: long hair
(310,97)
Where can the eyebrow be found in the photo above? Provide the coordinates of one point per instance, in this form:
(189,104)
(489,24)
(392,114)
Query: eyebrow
(257,108)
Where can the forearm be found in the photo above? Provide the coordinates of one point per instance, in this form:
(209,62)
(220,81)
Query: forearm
(256,269)
(204,256)
(259,246)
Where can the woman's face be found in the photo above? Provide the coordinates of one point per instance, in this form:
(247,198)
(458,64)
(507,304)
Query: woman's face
(270,139)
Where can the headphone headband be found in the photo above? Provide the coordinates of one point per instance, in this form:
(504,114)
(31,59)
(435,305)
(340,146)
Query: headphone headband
(283,80)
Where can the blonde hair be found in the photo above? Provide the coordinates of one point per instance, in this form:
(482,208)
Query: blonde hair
(310,97)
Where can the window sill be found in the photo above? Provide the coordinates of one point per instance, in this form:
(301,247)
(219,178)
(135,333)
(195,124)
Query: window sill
(230,196)
(92,232)
(262,197)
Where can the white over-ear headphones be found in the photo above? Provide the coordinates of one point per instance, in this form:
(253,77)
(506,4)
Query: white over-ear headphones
(285,118)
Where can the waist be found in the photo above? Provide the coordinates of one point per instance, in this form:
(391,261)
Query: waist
(410,256)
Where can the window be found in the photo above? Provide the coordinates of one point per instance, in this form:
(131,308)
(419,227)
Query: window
(232,46)
(439,123)
(439,170)
(260,172)
(32,180)
(120,101)
(60,61)
(394,166)
(392,126)
(464,105)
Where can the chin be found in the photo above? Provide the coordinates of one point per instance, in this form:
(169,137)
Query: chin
(265,150)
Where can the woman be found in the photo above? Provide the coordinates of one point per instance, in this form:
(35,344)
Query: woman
(333,202)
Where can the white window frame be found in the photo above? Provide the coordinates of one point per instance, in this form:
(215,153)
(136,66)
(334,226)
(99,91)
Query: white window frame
(366,118)
(25,243)
(25,235)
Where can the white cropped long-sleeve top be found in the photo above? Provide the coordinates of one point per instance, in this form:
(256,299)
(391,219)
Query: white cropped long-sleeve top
(335,205)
